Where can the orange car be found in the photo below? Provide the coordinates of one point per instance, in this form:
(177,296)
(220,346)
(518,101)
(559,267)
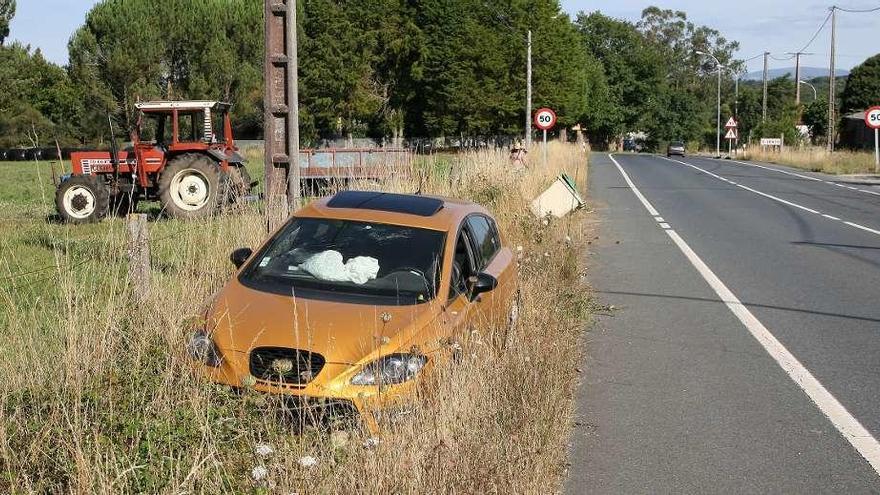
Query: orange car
(357,292)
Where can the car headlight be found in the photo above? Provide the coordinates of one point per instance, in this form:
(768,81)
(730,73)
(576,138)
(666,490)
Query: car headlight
(202,349)
(390,370)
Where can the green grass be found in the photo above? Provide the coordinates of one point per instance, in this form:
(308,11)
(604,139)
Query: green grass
(97,394)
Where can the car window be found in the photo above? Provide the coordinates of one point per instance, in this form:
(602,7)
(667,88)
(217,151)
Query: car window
(463,264)
(485,239)
(347,257)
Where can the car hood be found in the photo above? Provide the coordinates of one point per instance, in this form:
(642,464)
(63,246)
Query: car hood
(243,319)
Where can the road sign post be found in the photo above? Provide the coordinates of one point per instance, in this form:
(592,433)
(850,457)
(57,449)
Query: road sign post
(545,119)
(872,120)
(732,134)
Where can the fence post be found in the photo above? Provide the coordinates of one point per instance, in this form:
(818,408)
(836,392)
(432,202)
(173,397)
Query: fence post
(138,255)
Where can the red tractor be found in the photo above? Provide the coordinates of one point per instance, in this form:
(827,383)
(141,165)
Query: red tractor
(182,154)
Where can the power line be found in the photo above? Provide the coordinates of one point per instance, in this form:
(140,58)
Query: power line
(822,27)
(857,11)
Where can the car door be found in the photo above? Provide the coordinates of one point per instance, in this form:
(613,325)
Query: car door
(496,260)
(459,308)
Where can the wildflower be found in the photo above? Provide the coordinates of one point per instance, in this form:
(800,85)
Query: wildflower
(263,449)
(259,473)
(338,439)
(371,442)
(308,461)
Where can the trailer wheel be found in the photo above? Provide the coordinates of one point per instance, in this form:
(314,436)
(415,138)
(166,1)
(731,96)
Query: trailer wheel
(189,186)
(82,199)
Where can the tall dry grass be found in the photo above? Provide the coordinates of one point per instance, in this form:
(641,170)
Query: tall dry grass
(97,394)
(816,159)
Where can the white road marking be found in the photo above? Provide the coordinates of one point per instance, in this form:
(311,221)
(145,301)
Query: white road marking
(845,423)
(778,199)
(665,225)
(816,179)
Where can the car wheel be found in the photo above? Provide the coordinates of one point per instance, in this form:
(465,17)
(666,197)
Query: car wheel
(82,199)
(189,186)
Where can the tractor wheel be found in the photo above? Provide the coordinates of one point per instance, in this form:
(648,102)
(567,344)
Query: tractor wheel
(82,199)
(236,185)
(189,186)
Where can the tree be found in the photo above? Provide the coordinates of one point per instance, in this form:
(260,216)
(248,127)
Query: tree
(7,12)
(816,117)
(862,86)
(205,49)
(37,98)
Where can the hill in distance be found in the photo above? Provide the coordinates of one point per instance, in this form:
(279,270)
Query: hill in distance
(807,73)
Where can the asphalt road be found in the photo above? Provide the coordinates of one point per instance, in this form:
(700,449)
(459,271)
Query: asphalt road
(743,351)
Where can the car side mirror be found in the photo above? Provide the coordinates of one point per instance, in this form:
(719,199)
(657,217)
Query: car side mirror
(481,283)
(240,255)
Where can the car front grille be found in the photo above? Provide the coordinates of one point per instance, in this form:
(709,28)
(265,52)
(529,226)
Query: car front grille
(283,365)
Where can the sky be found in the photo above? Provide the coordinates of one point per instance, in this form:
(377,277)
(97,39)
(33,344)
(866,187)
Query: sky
(778,26)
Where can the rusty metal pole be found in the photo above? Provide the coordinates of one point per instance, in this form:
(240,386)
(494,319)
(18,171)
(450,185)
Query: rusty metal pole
(281,117)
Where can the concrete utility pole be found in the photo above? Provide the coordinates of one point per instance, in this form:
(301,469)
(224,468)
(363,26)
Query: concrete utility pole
(764,104)
(832,81)
(294,190)
(529,91)
(736,97)
(281,112)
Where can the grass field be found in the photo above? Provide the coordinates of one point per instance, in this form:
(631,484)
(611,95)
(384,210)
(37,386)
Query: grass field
(816,160)
(98,396)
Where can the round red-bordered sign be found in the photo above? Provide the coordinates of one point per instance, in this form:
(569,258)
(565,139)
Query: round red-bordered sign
(545,119)
(872,117)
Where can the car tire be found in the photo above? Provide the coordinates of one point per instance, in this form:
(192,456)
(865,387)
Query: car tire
(82,199)
(189,186)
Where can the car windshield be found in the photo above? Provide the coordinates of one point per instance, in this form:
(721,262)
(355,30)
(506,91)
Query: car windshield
(677,144)
(388,264)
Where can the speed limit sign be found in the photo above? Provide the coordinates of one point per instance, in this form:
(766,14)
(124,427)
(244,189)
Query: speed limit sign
(872,117)
(545,119)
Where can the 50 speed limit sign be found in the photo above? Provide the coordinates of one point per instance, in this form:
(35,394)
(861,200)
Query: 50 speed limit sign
(872,117)
(545,119)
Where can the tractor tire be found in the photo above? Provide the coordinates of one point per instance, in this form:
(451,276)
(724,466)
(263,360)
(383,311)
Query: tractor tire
(189,187)
(82,199)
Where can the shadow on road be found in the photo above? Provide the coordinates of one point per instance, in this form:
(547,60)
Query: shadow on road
(746,303)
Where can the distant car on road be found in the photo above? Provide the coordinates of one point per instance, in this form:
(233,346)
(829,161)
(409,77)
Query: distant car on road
(675,148)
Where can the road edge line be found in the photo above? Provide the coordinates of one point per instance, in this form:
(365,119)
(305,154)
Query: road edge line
(845,423)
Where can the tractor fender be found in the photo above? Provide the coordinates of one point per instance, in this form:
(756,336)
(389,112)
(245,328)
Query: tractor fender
(231,157)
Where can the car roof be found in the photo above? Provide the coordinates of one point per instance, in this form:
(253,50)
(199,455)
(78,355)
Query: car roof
(411,210)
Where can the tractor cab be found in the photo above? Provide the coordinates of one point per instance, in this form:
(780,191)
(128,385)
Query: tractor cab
(180,126)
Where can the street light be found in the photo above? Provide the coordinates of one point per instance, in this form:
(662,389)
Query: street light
(815,94)
(718,121)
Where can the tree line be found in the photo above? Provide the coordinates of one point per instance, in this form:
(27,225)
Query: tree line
(381,68)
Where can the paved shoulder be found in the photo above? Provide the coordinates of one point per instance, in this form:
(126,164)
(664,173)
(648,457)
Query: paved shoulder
(677,396)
